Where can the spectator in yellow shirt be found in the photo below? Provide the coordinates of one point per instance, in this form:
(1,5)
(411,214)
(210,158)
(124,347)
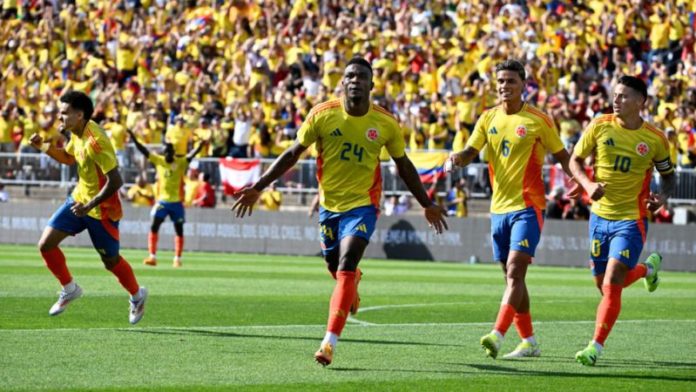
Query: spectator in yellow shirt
(141,193)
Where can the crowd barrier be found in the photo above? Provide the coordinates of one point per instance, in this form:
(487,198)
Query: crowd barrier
(563,243)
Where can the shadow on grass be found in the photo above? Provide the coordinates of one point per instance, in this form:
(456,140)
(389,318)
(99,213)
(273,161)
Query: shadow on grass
(628,363)
(221,334)
(503,370)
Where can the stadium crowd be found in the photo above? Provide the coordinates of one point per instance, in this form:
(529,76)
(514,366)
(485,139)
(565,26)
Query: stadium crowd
(244,74)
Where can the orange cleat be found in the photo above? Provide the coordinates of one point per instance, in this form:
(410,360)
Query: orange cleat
(325,354)
(150,261)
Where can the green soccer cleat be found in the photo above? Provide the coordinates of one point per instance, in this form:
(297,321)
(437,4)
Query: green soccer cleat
(653,280)
(524,350)
(588,356)
(491,343)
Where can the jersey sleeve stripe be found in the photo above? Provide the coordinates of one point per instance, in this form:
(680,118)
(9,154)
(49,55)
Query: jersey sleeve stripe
(323,107)
(659,133)
(384,111)
(541,115)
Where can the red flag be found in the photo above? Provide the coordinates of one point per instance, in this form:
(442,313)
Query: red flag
(235,174)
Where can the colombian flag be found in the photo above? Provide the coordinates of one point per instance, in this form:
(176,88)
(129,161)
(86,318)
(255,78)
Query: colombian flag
(429,165)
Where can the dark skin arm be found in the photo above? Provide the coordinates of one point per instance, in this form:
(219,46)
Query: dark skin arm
(113,184)
(247,197)
(192,154)
(434,214)
(138,145)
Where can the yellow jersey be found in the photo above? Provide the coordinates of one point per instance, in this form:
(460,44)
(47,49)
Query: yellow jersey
(179,136)
(271,200)
(95,157)
(170,177)
(348,149)
(516,146)
(624,161)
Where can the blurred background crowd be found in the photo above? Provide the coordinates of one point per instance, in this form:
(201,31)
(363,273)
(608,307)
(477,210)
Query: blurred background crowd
(244,74)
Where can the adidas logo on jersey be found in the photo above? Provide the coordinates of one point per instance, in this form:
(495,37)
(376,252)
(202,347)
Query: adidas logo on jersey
(493,131)
(609,142)
(524,243)
(336,132)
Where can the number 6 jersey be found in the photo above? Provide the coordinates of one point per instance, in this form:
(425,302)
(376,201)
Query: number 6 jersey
(348,167)
(624,161)
(517,144)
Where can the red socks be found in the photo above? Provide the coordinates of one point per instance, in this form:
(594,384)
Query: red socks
(341,300)
(636,273)
(523,324)
(152,242)
(178,245)
(55,261)
(608,311)
(505,317)
(125,276)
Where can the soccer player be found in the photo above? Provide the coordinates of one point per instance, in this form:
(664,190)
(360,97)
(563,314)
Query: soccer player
(626,149)
(349,133)
(171,169)
(93,205)
(517,136)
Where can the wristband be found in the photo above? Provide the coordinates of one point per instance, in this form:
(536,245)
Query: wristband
(44,147)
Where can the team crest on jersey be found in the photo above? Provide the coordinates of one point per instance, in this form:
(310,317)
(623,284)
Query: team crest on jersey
(372,134)
(521,131)
(642,149)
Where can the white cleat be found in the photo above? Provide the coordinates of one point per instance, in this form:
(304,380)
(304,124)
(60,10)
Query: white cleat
(137,308)
(524,350)
(64,300)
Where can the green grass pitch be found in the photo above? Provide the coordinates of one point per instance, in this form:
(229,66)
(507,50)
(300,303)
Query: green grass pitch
(252,322)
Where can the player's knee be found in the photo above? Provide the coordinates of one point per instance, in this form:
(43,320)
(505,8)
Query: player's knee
(44,245)
(110,262)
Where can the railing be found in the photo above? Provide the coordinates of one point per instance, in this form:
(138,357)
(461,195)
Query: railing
(30,170)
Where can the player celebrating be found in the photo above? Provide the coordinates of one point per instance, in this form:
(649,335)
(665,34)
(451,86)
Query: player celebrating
(516,135)
(626,150)
(93,205)
(170,193)
(349,134)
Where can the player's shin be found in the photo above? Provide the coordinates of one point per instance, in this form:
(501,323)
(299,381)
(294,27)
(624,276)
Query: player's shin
(124,273)
(608,311)
(341,300)
(640,271)
(55,261)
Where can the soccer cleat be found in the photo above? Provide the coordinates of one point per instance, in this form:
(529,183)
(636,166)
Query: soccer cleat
(523,350)
(325,354)
(652,281)
(64,300)
(150,261)
(176,263)
(356,302)
(491,343)
(137,308)
(588,356)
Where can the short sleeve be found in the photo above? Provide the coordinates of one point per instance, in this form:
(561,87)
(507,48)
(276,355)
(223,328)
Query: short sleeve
(156,159)
(104,156)
(587,142)
(396,145)
(308,132)
(550,138)
(479,137)
(661,159)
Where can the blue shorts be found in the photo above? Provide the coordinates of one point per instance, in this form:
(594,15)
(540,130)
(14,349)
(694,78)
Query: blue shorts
(174,209)
(518,230)
(104,233)
(617,239)
(334,226)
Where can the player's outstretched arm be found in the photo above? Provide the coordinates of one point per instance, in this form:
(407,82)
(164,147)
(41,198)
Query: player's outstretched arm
(577,169)
(192,154)
(434,214)
(247,197)
(112,185)
(58,154)
(461,158)
(138,145)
